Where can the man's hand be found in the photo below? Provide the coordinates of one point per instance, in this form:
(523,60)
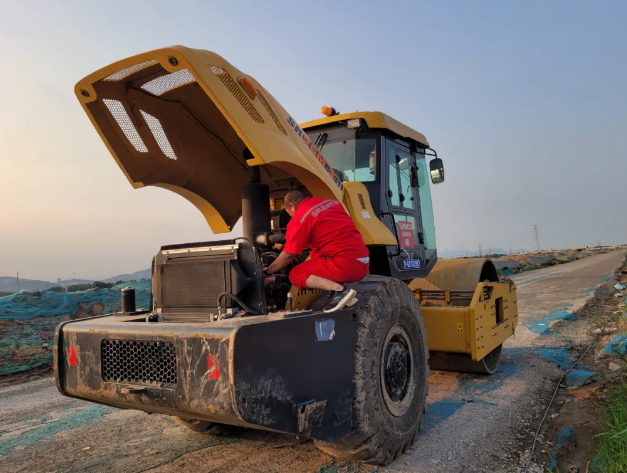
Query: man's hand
(281,262)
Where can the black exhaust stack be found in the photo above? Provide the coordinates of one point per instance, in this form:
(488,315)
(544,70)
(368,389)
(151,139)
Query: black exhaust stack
(255,206)
(128,300)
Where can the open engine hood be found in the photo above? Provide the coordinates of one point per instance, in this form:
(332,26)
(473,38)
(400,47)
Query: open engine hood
(180,119)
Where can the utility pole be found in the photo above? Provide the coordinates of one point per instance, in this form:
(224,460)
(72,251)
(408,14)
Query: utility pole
(18,281)
(480,252)
(535,232)
(510,250)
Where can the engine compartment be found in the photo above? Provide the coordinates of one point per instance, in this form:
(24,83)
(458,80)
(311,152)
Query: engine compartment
(278,285)
(209,281)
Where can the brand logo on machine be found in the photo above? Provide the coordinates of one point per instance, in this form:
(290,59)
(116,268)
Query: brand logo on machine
(213,366)
(291,122)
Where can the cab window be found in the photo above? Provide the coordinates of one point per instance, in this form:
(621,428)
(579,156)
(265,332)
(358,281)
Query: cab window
(426,207)
(353,159)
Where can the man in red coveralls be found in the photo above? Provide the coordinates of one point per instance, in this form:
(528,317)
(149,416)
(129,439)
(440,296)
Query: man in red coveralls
(338,254)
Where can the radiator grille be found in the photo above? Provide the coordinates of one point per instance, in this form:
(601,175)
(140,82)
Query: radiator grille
(138,362)
(237,92)
(192,286)
(268,108)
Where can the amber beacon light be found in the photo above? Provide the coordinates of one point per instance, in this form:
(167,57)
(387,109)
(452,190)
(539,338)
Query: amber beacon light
(248,86)
(328,111)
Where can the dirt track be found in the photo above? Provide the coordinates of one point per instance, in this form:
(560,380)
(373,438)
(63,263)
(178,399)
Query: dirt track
(473,423)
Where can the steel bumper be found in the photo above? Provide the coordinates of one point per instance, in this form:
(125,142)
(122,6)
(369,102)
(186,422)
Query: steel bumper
(289,374)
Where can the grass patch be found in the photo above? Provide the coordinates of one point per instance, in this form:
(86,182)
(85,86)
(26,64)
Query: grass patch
(612,457)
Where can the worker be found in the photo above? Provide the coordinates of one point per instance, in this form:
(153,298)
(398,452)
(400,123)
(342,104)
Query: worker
(339,254)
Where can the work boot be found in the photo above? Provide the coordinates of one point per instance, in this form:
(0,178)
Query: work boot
(341,299)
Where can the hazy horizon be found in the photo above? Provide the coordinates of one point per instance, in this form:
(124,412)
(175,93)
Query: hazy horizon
(524,101)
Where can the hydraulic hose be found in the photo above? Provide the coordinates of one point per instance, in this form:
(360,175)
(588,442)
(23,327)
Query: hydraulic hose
(236,299)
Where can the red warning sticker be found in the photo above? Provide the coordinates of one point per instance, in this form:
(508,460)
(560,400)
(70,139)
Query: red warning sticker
(406,234)
(72,357)
(213,366)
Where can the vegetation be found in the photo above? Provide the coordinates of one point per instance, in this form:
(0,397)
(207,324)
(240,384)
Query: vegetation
(612,457)
(103,285)
(79,287)
(2,294)
(94,285)
(57,289)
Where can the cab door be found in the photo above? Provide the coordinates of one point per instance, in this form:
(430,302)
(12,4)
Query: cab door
(403,209)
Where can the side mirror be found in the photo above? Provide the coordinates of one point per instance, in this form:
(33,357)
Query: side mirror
(436,169)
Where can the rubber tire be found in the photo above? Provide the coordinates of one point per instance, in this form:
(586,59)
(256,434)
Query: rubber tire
(204,426)
(378,437)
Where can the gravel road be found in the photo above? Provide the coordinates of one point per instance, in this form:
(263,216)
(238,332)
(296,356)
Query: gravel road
(473,423)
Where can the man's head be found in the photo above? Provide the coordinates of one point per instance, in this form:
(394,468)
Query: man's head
(292,200)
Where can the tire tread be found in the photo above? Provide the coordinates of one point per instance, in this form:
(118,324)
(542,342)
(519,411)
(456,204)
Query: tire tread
(370,443)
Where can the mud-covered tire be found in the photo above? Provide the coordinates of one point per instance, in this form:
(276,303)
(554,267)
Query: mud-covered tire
(387,414)
(204,426)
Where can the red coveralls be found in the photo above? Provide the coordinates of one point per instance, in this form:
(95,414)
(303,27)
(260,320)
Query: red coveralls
(338,250)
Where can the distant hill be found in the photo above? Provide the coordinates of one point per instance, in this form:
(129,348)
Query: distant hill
(9,284)
(143,274)
(67,282)
(457,253)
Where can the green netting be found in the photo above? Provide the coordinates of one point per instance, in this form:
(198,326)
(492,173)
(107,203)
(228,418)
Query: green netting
(29,305)
(28,320)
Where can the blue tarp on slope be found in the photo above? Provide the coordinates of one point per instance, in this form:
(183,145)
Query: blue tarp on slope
(617,345)
(28,320)
(24,306)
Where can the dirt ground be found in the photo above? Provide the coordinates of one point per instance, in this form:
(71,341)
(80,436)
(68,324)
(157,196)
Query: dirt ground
(473,423)
(576,409)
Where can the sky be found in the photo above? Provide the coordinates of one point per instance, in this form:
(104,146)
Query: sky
(526,103)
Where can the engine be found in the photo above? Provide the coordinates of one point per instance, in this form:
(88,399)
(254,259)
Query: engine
(278,285)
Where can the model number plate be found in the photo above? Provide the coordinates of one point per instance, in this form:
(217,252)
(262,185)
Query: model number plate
(411,264)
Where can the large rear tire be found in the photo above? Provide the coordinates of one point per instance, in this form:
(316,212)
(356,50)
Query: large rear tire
(390,378)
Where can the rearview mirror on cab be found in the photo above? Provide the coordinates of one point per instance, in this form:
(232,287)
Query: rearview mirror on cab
(436,169)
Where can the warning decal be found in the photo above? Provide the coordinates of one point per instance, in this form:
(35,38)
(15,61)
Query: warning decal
(406,234)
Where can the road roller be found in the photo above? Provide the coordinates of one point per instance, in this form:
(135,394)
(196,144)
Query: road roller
(221,346)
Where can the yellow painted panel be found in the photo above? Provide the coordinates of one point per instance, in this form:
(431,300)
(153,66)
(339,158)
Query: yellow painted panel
(357,202)
(303,300)
(489,333)
(475,329)
(442,328)
(374,120)
(214,128)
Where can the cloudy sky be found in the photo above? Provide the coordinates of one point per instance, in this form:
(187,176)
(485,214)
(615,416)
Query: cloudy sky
(525,101)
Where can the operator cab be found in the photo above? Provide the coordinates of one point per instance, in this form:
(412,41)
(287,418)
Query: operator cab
(390,159)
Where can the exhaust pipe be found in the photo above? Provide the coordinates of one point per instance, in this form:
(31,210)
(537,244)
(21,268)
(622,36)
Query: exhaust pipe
(255,206)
